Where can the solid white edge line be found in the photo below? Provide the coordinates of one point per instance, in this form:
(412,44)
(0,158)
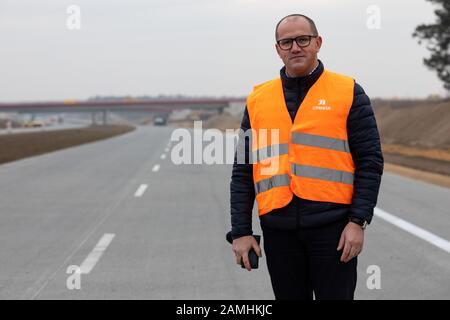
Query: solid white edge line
(423,234)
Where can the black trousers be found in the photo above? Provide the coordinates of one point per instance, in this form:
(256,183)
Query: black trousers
(306,260)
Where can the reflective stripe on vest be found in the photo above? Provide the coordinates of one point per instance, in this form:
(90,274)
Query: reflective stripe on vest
(322,173)
(272,182)
(320,141)
(269,152)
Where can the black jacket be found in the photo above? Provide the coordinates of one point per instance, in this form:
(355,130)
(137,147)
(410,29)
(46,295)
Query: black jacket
(365,148)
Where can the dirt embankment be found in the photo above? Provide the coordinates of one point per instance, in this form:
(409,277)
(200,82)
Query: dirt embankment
(415,133)
(21,145)
(421,124)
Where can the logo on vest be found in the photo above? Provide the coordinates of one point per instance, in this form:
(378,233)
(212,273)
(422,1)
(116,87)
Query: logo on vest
(321,105)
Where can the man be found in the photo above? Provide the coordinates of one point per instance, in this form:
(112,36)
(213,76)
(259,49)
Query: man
(313,209)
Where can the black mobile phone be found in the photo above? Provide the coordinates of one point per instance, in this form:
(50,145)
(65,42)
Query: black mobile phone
(252,256)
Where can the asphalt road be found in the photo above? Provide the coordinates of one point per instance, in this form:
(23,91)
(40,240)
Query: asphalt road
(142,227)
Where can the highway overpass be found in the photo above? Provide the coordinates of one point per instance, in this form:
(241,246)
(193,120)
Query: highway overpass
(160,106)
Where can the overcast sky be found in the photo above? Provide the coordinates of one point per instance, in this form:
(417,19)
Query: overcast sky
(200,47)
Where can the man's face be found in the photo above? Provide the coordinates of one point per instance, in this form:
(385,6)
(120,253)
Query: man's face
(299,61)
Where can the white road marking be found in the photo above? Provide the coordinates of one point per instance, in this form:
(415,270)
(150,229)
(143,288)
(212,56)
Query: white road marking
(140,191)
(92,259)
(423,234)
(163,156)
(51,272)
(166,149)
(155,167)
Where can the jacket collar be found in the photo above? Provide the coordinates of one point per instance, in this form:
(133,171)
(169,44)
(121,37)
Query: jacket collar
(297,83)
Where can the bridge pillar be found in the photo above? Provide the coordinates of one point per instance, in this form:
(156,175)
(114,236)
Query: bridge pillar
(93,118)
(104,117)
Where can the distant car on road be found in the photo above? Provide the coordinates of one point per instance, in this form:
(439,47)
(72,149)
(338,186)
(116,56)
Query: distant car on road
(159,121)
(34,124)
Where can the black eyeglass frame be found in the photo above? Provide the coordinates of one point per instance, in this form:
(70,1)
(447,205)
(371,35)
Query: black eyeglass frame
(296,39)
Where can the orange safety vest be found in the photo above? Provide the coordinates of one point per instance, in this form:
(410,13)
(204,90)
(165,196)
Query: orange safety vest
(309,158)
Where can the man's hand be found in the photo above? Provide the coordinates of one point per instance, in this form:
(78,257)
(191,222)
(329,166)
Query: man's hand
(352,240)
(241,247)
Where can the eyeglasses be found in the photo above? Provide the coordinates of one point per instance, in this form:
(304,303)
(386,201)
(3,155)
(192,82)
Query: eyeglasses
(302,41)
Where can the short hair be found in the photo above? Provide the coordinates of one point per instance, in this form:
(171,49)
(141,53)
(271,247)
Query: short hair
(310,21)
